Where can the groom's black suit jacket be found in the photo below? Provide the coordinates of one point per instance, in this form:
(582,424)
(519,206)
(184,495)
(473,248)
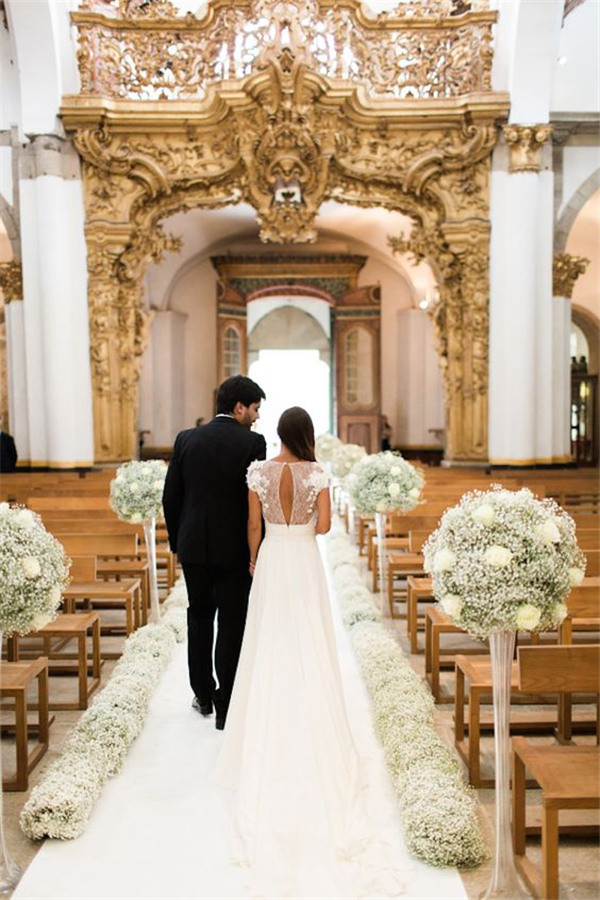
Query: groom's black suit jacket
(206,497)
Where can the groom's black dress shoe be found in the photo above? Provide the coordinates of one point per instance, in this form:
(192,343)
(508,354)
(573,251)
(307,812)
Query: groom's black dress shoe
(220,724)
(202,706)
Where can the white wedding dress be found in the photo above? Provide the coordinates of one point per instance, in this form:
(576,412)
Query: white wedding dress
(299,821)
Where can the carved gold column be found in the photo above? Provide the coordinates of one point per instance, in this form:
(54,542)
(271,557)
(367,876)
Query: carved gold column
(119,326)
(11,281)
(467,330)
(525,144)
(11,284)
(566,269)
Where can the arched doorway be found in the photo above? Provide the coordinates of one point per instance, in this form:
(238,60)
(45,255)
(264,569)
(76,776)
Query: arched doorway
(289,355)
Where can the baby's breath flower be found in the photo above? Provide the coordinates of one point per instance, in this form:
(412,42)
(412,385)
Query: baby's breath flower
(437,809)
(136,491)
(384,482)
(515,571)
(61,804)
(33,571)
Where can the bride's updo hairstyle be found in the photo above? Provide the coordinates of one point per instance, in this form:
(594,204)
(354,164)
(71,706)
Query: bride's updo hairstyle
(296,430)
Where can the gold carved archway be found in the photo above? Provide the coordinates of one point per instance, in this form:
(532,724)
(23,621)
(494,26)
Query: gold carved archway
(400,114)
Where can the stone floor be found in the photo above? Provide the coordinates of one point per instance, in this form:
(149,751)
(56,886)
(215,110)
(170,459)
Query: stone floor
(579,859)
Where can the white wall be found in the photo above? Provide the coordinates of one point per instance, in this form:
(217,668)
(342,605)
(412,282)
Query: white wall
(396,294)
(577,76)
(162,384)
(580,161)
(194,295)
(419,403)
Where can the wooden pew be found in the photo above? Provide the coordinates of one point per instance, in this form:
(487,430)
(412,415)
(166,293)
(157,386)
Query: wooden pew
(569,776)
(105,594)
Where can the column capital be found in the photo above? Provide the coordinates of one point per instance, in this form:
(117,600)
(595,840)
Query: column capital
(566,269)
(11,280)
(525,146)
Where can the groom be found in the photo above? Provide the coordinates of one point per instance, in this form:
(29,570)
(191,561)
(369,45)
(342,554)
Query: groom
(206,510)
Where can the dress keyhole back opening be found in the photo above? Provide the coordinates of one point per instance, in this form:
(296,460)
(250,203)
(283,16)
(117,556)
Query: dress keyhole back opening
(286,493)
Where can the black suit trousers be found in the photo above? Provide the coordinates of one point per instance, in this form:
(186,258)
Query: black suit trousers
(215,591)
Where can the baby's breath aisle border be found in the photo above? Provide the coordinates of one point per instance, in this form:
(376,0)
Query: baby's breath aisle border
(438,810)
(60,806)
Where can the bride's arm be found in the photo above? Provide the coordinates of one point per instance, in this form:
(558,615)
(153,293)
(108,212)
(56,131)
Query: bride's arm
(323,512)
(254,527)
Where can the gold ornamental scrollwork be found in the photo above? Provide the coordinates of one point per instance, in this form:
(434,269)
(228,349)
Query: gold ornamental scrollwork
(525,144)
(459,255)
(566,269)
(285,137)
(421,50)
(11,280)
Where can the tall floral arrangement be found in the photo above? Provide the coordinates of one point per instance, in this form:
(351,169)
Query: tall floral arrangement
(325,446)
(383,482)
(504,560)
(136,491)
(34,570)
(344,459)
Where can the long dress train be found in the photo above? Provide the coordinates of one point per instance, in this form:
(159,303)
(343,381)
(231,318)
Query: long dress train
(288,750)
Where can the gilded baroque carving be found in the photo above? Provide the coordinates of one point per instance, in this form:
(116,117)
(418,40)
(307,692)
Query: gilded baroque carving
(294,130)
(459,255)
(11,280)
(142,50)
(525,146)
(566,269)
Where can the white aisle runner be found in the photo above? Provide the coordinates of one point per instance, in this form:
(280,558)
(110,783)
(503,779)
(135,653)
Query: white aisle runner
(161,830)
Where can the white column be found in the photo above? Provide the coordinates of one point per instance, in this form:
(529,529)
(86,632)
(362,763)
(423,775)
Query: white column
(561,379)
(513,307)
(59,398)
(18,406)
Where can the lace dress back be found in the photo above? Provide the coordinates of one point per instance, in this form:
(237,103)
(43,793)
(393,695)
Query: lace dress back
(309,479)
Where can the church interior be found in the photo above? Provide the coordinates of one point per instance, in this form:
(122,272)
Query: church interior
(384,211)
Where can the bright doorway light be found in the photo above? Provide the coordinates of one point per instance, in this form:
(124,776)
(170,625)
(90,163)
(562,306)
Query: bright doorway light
(291,378)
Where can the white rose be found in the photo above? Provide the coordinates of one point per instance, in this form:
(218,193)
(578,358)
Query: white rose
(4,508)
(414,492)
(576,576)
(25,519)
(394,470)
(528,617)
(39,620)
(146,471)
(158,485)
(119,477)
(548,532)
(559,612)
(443,560)
(484,514)
(497,556)
(394,489)
(381,506)
(55,596)
(135,519)
(134,487)
(452,605)
(31,566)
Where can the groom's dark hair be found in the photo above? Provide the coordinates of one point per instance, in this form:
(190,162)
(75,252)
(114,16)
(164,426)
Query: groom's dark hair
(238,389)
(296,430)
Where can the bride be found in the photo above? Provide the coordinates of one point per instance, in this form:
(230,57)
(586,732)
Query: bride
(288,750)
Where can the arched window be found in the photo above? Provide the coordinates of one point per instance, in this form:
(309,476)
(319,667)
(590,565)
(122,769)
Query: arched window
(358,367)
(231,352)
